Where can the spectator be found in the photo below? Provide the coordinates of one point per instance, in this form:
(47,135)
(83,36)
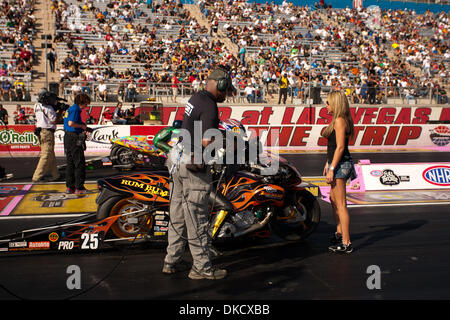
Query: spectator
(410,98)
(118,116)
(3,115)
(371,90)
(250,93)
(121,92)
(19,115)
(174,85)
(130,115)
(75,90)
(107,116)
(19,90)
(51,57)
(283,84)
(364,90)
(102,91)
(6,90)
(131,91)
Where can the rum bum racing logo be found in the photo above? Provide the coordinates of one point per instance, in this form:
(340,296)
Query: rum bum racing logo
(437,175)
(13,137)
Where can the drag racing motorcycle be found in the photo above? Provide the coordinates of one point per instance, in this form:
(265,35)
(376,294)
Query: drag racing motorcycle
(129,152)
(261,204)
(245,202)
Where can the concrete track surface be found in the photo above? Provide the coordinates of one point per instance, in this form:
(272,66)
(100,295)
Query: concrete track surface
(408,245)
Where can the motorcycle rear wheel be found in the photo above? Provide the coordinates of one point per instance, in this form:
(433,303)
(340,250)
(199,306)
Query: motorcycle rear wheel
(122,156)
(127,226)
(300,223)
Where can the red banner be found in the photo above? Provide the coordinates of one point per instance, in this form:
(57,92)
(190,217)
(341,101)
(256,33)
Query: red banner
(18,138)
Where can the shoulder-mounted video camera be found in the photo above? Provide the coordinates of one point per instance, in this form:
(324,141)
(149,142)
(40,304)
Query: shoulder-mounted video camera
(50,99)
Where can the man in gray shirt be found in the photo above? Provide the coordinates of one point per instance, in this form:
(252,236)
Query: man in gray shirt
(46,119)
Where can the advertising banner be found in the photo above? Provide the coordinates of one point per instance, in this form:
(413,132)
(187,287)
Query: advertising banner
(98,141)
(376,127)
(291,128)
(406,176)
(18,138)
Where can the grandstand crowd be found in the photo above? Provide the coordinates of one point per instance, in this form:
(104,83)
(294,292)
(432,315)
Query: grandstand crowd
(130,50)
(17,57)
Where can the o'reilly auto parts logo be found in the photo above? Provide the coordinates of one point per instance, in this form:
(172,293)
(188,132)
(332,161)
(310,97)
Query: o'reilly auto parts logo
(18,138)
(437,175)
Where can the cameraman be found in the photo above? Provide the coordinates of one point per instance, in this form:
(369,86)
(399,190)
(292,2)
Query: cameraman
(74,145)
(46,118)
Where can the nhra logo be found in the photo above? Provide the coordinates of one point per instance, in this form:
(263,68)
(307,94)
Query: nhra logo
(437,175)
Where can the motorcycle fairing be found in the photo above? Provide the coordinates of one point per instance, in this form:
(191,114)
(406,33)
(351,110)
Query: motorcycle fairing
(148,187)
(243,191)
(70,236)
(138,143)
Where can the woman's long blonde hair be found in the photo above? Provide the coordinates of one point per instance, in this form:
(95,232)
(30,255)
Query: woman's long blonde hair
(341,109)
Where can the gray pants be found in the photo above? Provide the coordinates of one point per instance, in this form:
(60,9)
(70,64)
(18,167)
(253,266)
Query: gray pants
(189,214)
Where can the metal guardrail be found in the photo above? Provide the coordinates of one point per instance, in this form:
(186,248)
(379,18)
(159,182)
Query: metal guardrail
(308,94)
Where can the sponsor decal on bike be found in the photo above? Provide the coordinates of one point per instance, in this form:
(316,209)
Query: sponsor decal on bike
(437,175)
(19,244)
(53,237)
(65,245)
(39,245)
(145,187)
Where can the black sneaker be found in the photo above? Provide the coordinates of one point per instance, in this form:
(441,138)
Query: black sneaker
(210,274)
(341,248)
(336,239)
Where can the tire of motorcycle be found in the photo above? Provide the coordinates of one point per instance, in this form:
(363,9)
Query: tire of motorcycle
(123,227)
(300,223)
(122,156)
(113,151)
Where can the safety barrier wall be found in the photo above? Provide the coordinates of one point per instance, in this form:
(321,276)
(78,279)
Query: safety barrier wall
(394,183)
(299,128)
(292,128)
(405,176)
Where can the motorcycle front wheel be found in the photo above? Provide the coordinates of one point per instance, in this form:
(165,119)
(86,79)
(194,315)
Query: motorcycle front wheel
(299,218)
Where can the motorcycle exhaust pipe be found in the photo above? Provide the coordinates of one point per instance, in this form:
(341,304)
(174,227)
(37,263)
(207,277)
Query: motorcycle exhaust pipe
(254,227)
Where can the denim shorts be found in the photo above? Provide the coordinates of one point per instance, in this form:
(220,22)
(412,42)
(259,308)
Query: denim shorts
(345,170)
